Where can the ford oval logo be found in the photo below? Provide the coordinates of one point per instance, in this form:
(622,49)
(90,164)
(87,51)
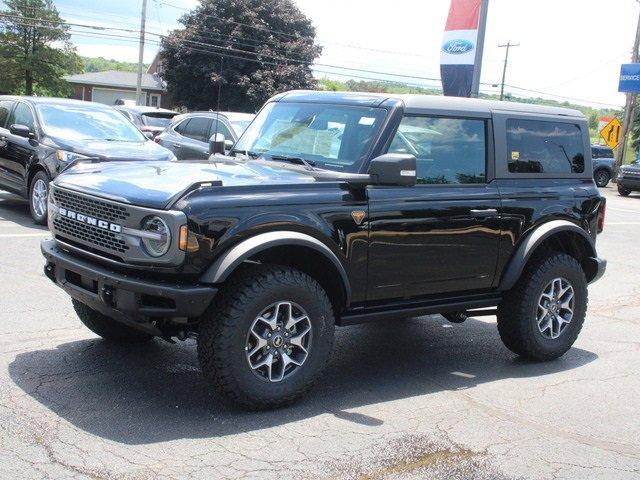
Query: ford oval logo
(457,47)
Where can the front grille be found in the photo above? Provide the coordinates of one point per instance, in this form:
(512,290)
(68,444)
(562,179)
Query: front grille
(90,206)
(90,234)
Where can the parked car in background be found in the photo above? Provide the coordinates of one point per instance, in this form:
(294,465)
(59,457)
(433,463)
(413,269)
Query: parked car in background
(603,161)
(188,135)
(147,119)
(628,178)
(40,137)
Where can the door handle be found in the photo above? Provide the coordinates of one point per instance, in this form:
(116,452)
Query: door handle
(176,145)
(489,212)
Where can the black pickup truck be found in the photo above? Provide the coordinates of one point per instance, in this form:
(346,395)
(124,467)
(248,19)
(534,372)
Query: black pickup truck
(334,209)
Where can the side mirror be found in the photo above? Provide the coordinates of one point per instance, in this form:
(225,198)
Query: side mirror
(216,144)
(149,135)
(393,169)
(21,131)
(228,145)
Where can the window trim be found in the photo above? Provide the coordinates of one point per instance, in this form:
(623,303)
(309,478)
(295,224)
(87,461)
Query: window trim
(501,145)
(488,146)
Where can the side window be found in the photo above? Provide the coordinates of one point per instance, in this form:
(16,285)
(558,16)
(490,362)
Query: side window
(538,146)
(197,128)
(217,126)
(595,153)
(5,108)
(447,150)
(22,116)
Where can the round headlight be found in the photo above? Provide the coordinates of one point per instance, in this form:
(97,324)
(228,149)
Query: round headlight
(158,243)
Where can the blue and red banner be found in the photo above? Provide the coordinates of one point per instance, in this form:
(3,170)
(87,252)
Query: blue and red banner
(458,53)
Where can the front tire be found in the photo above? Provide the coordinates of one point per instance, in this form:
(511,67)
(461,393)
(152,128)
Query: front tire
(108,328)
(624,192)
(38,193)
(267,339)
(602,178)
(542,315)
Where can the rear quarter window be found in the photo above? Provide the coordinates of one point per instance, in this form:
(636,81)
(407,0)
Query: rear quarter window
(545,147)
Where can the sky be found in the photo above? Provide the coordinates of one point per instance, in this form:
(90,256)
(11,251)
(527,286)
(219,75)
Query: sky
(569,49)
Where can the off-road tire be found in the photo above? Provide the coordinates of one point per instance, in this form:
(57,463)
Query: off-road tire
(38,219)
(517,312)
(602,177)
(107,328)
(624,192)
(224,327)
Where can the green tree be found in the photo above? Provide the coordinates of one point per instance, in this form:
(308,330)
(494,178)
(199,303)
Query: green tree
(593,120)
(250,49)
(35,49)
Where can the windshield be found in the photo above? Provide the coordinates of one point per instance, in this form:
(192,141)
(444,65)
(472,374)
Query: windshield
(335,137)
(157,119)
(87,122)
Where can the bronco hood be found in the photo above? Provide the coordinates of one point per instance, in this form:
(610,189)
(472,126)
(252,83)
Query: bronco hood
(157,184)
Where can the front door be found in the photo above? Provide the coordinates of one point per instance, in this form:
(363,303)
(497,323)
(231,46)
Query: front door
(440,236)
(19,150)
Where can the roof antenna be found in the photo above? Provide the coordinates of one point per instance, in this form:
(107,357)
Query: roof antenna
(219,93)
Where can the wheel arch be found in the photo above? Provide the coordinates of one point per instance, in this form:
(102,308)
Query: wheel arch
(290,248)
(557,235)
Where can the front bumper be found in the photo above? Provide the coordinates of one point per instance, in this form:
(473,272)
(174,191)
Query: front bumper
(121,296)
(629,183)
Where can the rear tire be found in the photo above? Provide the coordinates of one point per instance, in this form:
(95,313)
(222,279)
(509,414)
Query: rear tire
(602,177)
(532,330)
(38,192)
(624,192)
(106,327)
(251,315)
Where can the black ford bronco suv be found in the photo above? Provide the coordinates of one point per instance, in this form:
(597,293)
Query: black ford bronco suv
(333,209)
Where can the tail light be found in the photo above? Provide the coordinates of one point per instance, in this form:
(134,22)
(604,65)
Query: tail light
(601,214)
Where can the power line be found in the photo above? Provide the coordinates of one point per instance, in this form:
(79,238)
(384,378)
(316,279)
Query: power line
(228,52)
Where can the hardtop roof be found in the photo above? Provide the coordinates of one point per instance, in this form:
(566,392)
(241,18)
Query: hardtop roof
(426,102)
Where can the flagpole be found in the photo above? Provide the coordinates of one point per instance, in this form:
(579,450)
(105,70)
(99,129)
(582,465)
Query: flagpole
(482,26)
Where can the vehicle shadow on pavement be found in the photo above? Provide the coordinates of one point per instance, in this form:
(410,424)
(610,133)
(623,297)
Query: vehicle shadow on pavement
(16,210)
(154,392)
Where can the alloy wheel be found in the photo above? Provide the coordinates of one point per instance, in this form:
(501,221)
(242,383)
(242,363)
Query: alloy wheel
(39,197)
(555,308)
(278,341)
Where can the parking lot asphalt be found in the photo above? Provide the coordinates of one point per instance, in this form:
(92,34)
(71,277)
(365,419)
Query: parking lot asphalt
(415,399)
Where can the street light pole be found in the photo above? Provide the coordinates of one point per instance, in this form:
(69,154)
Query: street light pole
(141,52)
(629,106)
(508,45)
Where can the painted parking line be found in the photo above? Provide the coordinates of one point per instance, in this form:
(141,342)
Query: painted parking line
(614,209)
(620,223)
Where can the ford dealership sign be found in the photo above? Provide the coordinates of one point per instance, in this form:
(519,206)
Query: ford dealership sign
(457,47)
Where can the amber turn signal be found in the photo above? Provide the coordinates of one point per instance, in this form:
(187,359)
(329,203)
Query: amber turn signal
(187,241)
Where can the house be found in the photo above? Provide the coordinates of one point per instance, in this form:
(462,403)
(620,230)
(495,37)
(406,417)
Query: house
(110,86)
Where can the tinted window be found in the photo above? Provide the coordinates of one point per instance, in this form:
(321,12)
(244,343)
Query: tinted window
(536,146)
(5,109)
(22,116)
(157,119)
(220,127)
(447,150)
(196,128)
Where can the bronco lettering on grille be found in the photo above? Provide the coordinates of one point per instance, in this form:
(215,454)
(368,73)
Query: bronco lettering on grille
(81,217)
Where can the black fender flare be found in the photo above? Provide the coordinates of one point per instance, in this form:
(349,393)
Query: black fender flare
(529,244)
(228,261)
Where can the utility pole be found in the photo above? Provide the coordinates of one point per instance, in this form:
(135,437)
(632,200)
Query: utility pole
(508,45)
(141,52)
(629,106)
(477,67)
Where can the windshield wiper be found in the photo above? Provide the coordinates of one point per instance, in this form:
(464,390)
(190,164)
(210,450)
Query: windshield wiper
(247,153)
(298,160)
